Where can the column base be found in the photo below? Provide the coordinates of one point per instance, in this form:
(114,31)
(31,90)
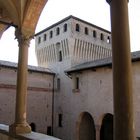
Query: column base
(15,129)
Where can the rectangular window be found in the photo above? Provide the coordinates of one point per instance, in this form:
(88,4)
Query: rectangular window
(77,83)
(65,27)
(58,84)
(60,116)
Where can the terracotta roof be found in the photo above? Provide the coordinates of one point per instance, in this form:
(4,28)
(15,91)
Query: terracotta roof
(99,63)
(13,65)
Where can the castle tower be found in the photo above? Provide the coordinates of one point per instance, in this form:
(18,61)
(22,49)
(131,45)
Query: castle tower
(67,43)
(71,41)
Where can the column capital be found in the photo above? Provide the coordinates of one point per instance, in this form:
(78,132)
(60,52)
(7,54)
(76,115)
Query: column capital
(108,1)
(22,39)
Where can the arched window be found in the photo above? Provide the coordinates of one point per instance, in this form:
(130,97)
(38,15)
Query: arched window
(102,36)
(86,30)
(57,31)
(51,34)
(65,27)
(94,34)
(77,28)
(106,131)
(45,37)
(108,39)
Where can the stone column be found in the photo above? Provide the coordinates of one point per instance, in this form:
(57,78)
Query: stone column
(122,75)
(97,128)
(20,125)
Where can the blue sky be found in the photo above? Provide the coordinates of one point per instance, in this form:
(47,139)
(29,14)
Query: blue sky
(93,11)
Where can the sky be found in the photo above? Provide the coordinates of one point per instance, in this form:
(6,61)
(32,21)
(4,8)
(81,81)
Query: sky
(96,12)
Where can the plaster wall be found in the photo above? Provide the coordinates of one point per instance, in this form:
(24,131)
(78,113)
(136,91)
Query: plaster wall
(39,98)
(95,96)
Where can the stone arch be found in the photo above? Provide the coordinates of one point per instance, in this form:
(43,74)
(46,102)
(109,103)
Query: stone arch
(85,127)
(106,131)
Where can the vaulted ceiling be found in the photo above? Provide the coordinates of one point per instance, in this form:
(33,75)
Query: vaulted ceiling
(22,14)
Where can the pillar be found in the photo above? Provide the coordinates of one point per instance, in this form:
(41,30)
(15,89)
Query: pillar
(20,125)
(97,128)
(122,75)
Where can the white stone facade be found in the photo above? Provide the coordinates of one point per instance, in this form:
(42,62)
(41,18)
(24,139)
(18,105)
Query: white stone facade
(61,46)
(73,39)
(82,94)
(95,93)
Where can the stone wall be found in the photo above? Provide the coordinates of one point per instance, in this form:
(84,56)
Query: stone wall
(39,98)
(95,96)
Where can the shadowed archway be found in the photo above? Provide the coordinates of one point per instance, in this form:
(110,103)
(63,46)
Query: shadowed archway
(106,132)
(86,127)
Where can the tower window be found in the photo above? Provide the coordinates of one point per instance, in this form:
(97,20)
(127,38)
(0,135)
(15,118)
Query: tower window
(60,56)
(60,117)
(77,28)
(108,39)
(94,34)
(86,30)
(59,52)
(51,34)
(102,36)
(39,40)
(65,27)
(45,37)
(57,31)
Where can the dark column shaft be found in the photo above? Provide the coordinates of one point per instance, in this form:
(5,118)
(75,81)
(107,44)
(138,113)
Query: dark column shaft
(122,75)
